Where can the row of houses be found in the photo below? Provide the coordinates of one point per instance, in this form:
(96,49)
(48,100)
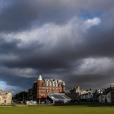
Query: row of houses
(78,94)
(102,96)
(51,90)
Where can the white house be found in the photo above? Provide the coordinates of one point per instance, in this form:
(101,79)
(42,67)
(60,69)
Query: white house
(102,98)
(87,96)
(108,97)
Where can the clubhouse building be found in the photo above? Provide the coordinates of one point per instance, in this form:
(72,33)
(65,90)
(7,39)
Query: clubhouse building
(43,87)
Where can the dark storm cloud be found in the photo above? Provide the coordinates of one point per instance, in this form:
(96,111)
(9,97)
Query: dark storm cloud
(6,47)
(100,39)
(17,16)
(95,44)
(23,14)
(49,37)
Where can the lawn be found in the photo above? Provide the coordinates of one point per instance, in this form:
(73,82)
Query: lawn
(57,110)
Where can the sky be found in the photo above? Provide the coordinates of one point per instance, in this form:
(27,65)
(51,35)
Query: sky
(72,40)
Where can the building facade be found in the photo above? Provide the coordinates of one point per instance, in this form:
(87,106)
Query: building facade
(107,96)
(5,98)
(43,87)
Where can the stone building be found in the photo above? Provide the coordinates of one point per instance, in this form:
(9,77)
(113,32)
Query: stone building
(5,98)
(43,87)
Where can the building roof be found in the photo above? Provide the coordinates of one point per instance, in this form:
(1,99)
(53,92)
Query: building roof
(59,97)
(40,77)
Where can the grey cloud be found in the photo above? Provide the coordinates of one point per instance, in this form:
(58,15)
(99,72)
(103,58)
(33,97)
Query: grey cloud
(59,51)
(23,14)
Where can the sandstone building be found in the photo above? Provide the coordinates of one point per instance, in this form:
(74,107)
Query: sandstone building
(5,98)
(43,87)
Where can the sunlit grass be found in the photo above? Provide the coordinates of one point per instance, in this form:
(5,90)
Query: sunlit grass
(57,110)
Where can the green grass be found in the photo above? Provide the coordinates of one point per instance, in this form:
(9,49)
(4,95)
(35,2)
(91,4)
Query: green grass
(57,110)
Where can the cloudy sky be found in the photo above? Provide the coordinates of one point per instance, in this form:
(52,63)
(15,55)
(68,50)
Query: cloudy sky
(71,40)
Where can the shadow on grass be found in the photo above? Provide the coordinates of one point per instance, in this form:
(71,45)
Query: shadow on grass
(86,105)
